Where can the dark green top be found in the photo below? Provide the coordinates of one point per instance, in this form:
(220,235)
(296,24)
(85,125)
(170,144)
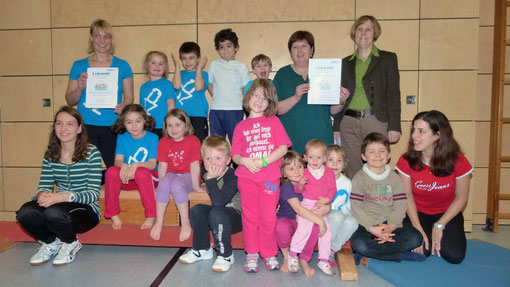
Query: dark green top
(303,122)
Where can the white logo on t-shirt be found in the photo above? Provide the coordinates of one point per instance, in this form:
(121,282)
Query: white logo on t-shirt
(149,100)
(135,158)
(189,93)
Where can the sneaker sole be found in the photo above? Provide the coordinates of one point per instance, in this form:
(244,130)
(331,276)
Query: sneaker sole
(219,270)
(251,270)
(40,263)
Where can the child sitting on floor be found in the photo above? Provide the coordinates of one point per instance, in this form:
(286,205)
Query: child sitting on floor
(379,204)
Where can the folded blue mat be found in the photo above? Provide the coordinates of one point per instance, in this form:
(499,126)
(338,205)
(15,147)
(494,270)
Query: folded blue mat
(485,264)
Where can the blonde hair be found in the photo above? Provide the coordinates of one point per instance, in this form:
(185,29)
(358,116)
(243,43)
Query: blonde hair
(338,150)
(215,142)
(148,58)
(260,58)
(290,157)
(315,143)
(269,94)
(103,25)
(362,20)
(183,117)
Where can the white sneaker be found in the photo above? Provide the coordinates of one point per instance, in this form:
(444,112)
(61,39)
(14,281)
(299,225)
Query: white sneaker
(45,252)
(67,253)
(271,263)
(222,264)
(293,264)
(326,268)
(193,256)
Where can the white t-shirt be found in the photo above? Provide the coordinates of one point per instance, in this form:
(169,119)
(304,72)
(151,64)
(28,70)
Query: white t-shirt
(228,80)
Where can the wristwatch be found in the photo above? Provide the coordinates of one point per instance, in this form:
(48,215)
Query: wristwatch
(72,197)
(439,226)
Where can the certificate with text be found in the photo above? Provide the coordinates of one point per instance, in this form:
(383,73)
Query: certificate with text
(102,87)
(325,80)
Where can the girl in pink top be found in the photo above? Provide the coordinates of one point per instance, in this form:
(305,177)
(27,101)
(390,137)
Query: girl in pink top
(259,143)
(319,185)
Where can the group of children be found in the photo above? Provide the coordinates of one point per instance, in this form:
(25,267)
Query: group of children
(313,202)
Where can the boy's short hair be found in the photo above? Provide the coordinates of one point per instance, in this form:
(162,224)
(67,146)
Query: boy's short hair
(270,93)
(290,157)
(226,35)
(189,47)
(315,143)
(260,58)
(337,149)
(216,142)
(375,138)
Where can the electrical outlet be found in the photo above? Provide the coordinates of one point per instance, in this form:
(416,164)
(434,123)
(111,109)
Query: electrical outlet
(410,100)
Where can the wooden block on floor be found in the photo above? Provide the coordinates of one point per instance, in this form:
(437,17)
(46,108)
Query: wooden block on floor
(346,266)
(5,243)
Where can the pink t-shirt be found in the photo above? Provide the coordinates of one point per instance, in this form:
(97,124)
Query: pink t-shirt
(432,194)
(258,137)
(322,187)
(179,155)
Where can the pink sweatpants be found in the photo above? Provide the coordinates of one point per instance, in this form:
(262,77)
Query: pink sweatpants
(284,230)
(143,181)
(258,202)
(304,228)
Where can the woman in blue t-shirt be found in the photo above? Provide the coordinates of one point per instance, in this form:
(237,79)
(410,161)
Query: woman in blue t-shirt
(99,121)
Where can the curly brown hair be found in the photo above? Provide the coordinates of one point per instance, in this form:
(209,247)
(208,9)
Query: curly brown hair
(53,152)
(119,127)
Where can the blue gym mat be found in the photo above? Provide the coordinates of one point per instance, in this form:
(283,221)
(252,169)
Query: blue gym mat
(485,264)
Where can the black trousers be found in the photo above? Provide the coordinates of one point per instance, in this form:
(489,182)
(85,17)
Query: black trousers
(222,221)
(406,238)
(200,126)
(105,140)
(63,220)
(453,242)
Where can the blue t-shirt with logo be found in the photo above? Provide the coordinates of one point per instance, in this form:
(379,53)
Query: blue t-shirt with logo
(100,117)
(192,102)
(153,98)
(137,150)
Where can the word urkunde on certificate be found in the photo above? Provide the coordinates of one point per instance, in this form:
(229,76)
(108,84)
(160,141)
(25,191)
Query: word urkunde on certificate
(102,87)
(325,79)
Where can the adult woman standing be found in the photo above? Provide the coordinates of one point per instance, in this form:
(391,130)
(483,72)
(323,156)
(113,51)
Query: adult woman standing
(303,122)
(372,77)
(99,121)
(436,178)
(54,218)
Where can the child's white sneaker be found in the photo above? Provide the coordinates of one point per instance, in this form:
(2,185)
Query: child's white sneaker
(251,265)
(293,265)
(271,263)
(193,255)
(222,264)
(45,252)
(326,267)
(67,253)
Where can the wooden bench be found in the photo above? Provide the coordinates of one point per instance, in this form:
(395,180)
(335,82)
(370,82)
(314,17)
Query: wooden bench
(132,211)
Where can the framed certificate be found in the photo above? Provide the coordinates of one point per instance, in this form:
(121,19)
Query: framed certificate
(325,80)
(102,87)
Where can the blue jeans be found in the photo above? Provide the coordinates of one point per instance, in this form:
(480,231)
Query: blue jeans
(406,238)
(223,122)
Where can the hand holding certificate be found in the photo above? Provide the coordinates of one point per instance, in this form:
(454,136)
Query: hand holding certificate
(325,80)
(102,87)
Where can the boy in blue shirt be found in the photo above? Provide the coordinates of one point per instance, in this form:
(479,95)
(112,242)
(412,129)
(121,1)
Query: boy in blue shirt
(191,84)
(227,79)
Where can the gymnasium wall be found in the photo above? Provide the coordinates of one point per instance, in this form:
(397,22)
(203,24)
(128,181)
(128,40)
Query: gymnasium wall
(444,50)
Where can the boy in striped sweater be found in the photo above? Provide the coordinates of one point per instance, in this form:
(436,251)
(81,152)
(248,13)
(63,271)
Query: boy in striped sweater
(379,204)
